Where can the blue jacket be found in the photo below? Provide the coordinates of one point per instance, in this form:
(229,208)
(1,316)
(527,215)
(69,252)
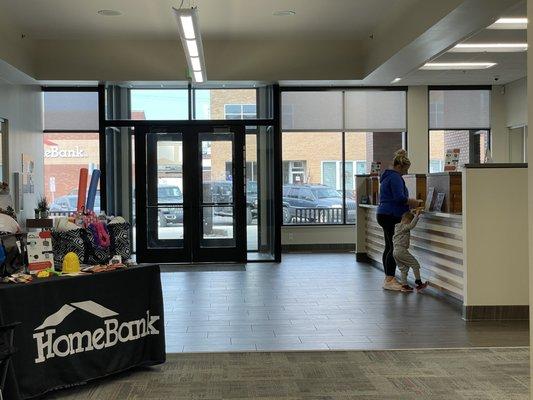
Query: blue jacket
(393,194)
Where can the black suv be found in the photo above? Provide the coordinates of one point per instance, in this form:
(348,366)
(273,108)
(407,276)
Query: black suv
(170,195)
(306,204)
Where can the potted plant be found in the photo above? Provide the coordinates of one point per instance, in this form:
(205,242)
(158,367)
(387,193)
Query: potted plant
(43,209)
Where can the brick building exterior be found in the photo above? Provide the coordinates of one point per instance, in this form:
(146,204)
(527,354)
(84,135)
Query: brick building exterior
(64,155)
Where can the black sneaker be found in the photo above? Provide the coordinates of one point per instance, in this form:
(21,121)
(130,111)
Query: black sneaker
(407,288)
(422,286)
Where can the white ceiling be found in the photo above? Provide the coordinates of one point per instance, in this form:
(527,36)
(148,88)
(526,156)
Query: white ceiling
(220,19)
(510,66)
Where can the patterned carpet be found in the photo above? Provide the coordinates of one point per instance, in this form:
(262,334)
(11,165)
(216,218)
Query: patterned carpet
(473,374)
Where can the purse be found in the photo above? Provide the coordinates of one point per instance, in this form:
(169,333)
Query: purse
(13,255)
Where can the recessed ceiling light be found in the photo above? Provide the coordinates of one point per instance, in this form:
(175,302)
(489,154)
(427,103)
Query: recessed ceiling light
(396,80)
(284,13)
(489,47)
(509,23)
(109,13)
(457,65)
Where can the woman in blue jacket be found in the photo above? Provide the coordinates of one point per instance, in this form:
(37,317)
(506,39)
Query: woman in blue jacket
(394,201)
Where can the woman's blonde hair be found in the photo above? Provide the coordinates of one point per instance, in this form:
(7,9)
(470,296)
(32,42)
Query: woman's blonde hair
(401,159)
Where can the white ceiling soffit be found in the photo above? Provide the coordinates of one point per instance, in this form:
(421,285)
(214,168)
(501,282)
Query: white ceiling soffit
(470,17)
(228,19)
(509,67)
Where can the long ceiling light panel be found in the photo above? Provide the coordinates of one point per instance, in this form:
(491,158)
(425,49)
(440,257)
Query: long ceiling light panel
(509,23)
(191,40)
(489,48)
(457,65)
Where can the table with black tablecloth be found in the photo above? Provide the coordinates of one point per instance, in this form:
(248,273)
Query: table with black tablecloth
(78,328)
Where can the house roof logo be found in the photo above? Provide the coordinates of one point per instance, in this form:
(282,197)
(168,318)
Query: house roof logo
(88,306)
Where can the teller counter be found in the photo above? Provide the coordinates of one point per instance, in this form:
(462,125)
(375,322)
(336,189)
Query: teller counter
(477,255)
(437,242)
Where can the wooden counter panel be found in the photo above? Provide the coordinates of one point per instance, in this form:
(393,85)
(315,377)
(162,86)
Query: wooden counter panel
(437,243)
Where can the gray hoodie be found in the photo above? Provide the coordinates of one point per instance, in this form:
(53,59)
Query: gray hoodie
(402,233)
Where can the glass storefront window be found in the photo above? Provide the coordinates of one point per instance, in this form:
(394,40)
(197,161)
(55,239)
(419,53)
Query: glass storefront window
(159,104)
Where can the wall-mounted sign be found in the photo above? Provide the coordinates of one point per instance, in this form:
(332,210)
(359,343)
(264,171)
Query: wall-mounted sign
(55,152)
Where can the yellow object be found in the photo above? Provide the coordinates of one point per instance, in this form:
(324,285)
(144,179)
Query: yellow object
(43,274)
(71,263)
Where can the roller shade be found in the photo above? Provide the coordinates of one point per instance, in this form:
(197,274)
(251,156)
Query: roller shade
(71,110)
(375,110)
(312,111)
(459,109)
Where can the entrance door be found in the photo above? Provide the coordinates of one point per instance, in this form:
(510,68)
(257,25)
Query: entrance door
(191,207)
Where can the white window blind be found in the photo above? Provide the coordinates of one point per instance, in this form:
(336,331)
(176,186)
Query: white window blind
(71,110)
(312,111)
(459,109)
(375,110)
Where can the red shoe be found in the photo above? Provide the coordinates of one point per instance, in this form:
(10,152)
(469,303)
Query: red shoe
(407,288)
(422,286)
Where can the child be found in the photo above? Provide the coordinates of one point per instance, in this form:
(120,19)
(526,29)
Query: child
(404,259)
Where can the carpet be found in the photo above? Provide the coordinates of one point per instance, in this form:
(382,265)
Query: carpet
(475,373)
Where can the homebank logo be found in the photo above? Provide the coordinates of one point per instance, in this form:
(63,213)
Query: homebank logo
(113,331)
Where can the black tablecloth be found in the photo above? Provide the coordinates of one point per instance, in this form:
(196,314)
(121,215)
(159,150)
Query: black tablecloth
(74,329)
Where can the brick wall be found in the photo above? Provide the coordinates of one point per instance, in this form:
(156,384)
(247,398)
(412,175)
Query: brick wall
(64,155)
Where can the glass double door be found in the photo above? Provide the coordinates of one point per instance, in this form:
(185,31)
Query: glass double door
(190,194)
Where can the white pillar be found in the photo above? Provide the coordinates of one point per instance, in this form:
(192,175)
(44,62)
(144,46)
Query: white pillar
(417,128)
(499,132)
(530,170)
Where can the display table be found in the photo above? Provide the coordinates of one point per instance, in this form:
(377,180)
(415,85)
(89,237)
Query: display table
(75,329)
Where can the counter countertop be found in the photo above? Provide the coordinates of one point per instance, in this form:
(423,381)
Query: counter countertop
(426,214)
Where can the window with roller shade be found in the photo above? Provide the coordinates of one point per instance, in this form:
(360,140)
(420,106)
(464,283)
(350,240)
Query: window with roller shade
(329,136)
(70,142)
(458,119)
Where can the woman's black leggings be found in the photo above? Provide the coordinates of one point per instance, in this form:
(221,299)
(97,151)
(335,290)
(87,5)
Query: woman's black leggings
(387,222)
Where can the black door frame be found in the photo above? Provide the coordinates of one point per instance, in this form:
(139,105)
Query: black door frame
(191,250)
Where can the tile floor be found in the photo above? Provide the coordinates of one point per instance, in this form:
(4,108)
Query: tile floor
(313,302)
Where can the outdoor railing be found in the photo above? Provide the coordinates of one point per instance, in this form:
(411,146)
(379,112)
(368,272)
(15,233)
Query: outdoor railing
(318,216)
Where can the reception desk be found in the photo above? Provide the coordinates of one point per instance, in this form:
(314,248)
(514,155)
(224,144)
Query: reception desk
(437,242)
(478,257)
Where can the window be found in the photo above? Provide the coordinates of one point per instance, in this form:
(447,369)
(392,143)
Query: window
(472,146)
(70,142)
(459,119)
(162,104)
(332,173)
(239,111)
(329,137)
(225,103)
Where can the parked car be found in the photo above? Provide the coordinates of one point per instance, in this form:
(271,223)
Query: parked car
(170,195)
(69,203)
(303,203)
(251,202)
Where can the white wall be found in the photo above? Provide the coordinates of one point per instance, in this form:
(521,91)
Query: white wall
(318,234)
(417,128)
(21,105)
(530,177)
(515,100)
(495,236)
(499,133)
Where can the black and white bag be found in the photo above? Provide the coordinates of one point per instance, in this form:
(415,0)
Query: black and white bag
(69,241)
(120,239)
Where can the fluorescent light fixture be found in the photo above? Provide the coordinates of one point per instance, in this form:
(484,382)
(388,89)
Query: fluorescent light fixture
(191,40)
(509,23)
(396,80)
(457,65)
(196,65)
(489,48)
(192,48)
(198,76)
(188,27)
